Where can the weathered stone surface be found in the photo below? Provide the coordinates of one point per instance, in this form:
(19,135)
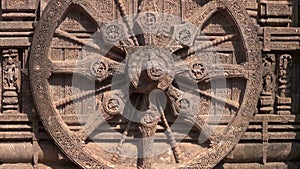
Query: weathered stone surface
(183,84)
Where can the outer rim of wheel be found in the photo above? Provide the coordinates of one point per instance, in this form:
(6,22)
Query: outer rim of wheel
(72,147)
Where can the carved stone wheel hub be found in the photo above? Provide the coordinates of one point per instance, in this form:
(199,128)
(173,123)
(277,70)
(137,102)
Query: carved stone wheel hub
(150,91)
(150,68)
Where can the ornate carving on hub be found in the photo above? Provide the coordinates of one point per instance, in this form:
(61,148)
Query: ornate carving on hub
(158,65)
(150,120)
(156,70)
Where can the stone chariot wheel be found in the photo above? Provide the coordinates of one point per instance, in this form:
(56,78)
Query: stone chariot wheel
(172,86)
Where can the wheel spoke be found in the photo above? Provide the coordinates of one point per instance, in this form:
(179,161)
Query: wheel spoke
(175,148)
(79,96)
(191,27)
(228,102)
(98,68)
(148,21)
(146,151)
(109,105)
(146,144)
(147,129)
(185,52)
(198,71)
(229,71)
(93,46)
(121,142)
(121,7)
(185,105)
(126,131)
(73,38)
(93,123)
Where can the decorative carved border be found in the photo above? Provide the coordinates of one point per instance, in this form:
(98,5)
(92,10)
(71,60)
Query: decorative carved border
(74,149)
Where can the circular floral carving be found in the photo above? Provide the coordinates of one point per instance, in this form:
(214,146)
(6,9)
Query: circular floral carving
(99,69)
(113,105)
(113,33)
(183,105)
(198,71)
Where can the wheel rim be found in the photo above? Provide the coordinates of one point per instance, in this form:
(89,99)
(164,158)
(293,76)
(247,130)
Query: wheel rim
(71,145)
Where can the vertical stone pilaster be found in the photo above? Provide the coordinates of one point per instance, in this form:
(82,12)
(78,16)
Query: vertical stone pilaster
(11,81)
(283,98)
(267,96)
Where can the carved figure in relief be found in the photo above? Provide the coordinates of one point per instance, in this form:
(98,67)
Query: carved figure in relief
(268,61)
(268,83)
(10,68)
(149,19)
(267,97)
(284,100)
(198,70)
(99,69)
(284,64)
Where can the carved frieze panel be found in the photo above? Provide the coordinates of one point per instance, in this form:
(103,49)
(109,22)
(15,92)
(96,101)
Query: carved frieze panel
(19,10)
(276,13)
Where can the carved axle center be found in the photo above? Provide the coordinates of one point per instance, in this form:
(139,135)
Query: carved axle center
(148,66)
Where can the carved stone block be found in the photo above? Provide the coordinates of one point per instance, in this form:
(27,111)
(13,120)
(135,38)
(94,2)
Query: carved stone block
(149,84)
(276,13)
(11,81)
(19,4)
